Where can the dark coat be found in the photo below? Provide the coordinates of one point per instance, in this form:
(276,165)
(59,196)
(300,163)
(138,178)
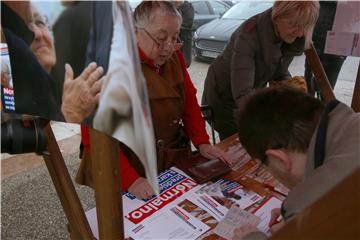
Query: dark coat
(101,32)
(71,33)
(253,57)
(34,89)
(186,32)
(100,37)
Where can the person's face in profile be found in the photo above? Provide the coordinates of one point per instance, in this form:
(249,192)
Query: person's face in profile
(43,43)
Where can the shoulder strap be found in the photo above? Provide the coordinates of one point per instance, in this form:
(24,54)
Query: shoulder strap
(320,141)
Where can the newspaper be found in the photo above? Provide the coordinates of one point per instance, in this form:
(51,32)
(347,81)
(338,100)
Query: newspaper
(173,184)
(141,215)
(179,225)
(217,198)
(237,154)
(188,210)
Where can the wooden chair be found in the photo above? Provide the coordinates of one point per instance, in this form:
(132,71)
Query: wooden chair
(336,215)
(208,115)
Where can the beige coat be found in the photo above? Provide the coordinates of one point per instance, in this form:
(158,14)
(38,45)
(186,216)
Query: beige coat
(342,157)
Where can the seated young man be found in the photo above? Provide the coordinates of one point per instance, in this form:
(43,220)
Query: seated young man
(307,146)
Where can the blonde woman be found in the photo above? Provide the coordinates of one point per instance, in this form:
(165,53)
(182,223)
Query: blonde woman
(259,51)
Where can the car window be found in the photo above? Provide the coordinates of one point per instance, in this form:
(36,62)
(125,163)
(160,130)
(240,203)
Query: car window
(247,9)
(217,7)
(200,7)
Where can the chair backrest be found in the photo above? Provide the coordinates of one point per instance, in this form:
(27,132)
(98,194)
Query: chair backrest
(208,115)
(334,216)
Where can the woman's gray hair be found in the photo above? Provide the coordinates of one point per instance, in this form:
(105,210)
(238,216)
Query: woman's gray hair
(143,13)
(305,12)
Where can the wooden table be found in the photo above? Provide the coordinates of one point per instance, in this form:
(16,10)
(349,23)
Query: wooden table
(252,175)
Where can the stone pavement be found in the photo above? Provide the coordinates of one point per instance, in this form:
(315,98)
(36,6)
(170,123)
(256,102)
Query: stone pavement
(30,208)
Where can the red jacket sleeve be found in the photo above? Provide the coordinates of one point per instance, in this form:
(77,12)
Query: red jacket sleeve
(128,173)
(193,121)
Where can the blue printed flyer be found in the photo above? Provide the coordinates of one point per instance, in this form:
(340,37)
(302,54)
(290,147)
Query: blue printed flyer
(7,85)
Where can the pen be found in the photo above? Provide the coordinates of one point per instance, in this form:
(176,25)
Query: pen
(279,219)
(272,188)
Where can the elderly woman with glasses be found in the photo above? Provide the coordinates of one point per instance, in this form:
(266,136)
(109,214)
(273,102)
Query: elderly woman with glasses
(259,51)
(175,112)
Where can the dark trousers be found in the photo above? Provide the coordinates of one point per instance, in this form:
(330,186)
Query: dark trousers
(186,37)
(332,65)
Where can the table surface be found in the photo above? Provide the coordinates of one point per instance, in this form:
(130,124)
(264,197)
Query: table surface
(252,175)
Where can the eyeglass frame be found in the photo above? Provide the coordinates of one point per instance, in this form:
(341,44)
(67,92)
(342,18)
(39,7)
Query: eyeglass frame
(176,45)
(40,23)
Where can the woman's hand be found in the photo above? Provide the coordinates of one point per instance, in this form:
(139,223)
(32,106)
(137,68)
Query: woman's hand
(141,188)
(81,95)
(212,152)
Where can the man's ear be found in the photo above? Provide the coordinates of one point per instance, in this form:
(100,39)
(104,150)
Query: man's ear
(280,155)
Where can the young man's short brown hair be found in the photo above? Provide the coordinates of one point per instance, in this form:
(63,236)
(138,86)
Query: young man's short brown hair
(276,118)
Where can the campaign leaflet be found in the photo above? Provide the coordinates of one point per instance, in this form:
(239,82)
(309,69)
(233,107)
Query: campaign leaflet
(236,218)
(263,211)
(7,86)
(237,154)
(217,198)
(175,186)
(179,225)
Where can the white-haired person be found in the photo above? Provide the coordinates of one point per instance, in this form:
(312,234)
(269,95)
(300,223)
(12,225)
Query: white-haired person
(260,51)
(174,108)
(80,95)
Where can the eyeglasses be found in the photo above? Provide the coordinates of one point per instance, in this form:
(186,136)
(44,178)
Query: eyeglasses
(41,21)
(174,45)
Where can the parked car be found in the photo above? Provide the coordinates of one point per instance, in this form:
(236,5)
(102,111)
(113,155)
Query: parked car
(206,11)
(210,39)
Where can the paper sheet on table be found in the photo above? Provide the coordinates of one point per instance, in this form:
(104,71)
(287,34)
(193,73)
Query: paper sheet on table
(228,193)
(236,217)
(184,226)
(175,187)
(238,155)
(264,212)
(210,205)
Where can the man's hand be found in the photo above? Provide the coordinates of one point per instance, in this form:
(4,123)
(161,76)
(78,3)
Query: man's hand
(212,152)
(81,95)
(141,189)
(274,224)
